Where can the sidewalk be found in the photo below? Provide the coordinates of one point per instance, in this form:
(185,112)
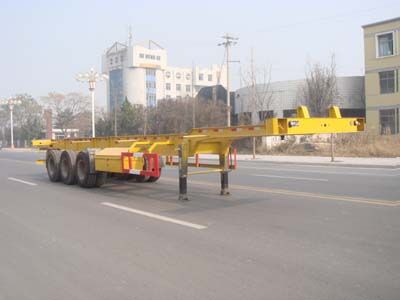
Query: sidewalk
(319,160)
(377,162)
(20,150)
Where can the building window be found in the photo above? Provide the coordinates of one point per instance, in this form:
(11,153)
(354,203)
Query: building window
(385,44)
(289,113)
(141,55)
(387,121)
(168,74)
(158,57)
(209,77)
(187,76)
(111,61)
(168,86)
(178,75)
(168,96)
(178,87)
(265,114)
(188,88)
(201,76)
(150,84)
(150,72)
(151,100)
(121,58)
(387,82)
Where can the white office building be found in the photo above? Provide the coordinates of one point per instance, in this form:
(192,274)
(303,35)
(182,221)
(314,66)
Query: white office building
(141,74)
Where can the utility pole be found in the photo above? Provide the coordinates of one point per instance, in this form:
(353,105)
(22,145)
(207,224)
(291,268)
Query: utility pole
(228,42)
(253,98)
(115,117)
(194,100)
(130,36)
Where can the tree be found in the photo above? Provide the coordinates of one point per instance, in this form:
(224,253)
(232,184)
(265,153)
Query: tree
(28,118)
(104,124)
(320,88)
(3,125)
(170,116)
(28,121)
(70,111)
(260,98)
(210,113)
(320,91)
(130,119)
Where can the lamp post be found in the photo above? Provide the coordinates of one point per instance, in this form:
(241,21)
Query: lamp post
(11,102)
(91,77)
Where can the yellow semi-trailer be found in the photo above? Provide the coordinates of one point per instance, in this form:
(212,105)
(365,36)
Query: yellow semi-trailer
(87,161)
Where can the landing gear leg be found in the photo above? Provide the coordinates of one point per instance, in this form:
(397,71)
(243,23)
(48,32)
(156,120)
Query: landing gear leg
(183,171)
(224,183)
(223,161)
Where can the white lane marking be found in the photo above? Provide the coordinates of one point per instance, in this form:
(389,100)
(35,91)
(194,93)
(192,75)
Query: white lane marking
(321,172)
(290,177)
(155,216)
(22,181)
(326,166)
(311,165)
(18,161)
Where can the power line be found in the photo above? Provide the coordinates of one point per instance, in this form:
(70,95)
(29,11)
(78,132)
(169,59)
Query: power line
(322,19)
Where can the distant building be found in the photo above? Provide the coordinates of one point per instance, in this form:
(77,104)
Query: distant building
(286,97)
(382,65)
(141,74)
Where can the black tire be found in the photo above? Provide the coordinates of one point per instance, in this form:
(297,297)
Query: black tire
(83,176)
(154,178)
(101,178)
(140,178)
(124,176)
(68,167)
(53,165)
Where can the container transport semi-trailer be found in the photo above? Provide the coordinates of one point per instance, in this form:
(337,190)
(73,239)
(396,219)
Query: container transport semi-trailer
(88,162)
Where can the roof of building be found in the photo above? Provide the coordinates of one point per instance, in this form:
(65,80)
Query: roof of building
(116,47)
(382,22)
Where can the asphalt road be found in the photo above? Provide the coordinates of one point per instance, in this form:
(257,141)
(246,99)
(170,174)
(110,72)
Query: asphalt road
(285,232)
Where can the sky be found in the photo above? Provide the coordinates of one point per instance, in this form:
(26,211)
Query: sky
(44,44)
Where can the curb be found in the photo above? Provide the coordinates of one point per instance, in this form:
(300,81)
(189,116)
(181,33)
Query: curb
(329,164)
(20,150)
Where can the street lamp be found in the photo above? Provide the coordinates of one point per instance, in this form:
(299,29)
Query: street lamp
(11,102)
(91,77)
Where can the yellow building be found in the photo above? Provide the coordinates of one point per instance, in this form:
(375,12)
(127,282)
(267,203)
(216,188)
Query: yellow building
(382,65)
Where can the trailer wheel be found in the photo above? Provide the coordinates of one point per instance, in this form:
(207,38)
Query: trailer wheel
(53,165)
(83,176)
(124,176)
(154,178)
(101,178)
(68,167)
(140,178)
